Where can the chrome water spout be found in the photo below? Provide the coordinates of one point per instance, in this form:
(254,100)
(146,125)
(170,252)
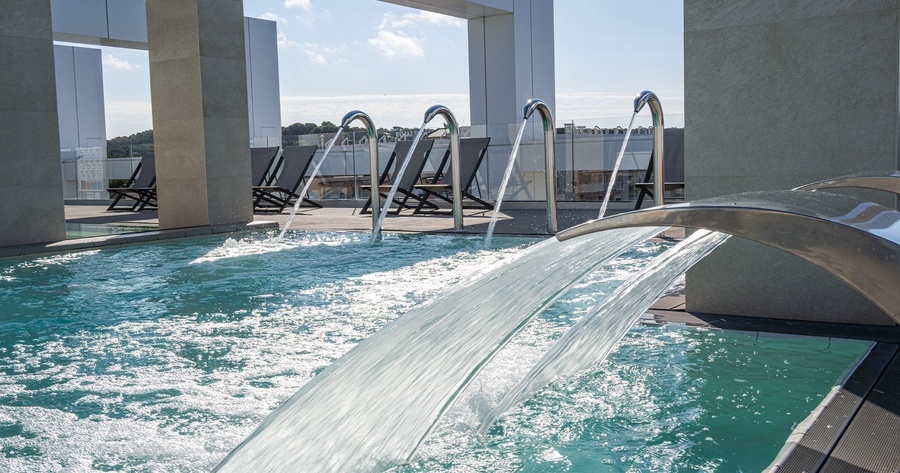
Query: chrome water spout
(659,167)
(856,241)
(373,157)
(456,180)
(549,156)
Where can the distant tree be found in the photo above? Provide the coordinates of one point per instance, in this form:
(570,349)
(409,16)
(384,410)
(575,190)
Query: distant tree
(132,145)
(291,132)
(298,129)
(326,127)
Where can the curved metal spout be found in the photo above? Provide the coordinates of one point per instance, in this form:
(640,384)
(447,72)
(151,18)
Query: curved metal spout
(373,157)
(888,181)
(549,156)
(858,242)
(659,162)
(455,171)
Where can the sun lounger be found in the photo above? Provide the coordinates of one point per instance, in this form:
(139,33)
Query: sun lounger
(264,164)
(278,193)
(411,176)
(140,189)
(471,154)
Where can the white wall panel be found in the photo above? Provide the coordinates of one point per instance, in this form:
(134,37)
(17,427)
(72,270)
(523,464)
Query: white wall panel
(89,97)
(263,92)
(67,108)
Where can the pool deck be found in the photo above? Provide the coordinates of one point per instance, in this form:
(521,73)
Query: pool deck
(337,216)
(858,430)
(345,216)
(524,220)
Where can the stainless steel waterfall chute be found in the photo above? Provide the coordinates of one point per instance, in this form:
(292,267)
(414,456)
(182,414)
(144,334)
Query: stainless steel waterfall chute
(888,181)
(856,241)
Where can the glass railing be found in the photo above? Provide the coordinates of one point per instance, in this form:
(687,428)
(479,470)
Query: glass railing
(585,154)
(89,171)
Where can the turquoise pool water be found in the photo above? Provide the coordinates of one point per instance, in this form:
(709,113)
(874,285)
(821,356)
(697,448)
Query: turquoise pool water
(164,357)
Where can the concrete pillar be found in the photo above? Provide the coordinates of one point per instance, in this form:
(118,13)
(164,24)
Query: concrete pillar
(30,182)
(198,85)
(778,94)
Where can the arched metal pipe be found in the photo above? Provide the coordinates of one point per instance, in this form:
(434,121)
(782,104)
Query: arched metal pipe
(549,156)
(659,162)
(858,242)
(456,179)
(373,157)
(888,181)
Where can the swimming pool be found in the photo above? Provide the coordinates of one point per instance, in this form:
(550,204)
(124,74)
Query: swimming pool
(164,357)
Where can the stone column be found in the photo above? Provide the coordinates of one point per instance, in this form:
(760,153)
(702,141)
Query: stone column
(31,178)
(198,84)
(779,94)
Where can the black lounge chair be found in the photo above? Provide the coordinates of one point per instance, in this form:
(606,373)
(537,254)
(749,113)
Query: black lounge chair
(264,163)
(471,154)
(284,181)
(411,176)
(140,188)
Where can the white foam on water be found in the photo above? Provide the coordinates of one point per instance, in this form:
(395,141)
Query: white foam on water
(249,246)
(372,408)
(591,340)
(178,392)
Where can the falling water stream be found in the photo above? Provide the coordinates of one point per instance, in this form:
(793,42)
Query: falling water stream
(612,179)
(591,340)
(309,182)
(503,183)
(373,407)
(376,230)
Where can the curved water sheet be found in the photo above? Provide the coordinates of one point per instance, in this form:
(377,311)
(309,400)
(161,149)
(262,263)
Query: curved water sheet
(503,183)
(373,407)
(389,200)
(309,181)
(591,340)
(612,177)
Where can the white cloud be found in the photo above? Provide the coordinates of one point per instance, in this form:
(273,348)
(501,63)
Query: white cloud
(284,42)
(318,54)
(390,44)
(272,17)
(386,110)
(426,18)
(301,4)
(310,50)
(393,41)
(111,62)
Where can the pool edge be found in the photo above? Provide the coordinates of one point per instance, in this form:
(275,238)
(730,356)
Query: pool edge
(123,239)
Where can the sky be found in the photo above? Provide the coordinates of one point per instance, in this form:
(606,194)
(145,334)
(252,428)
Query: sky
(340,55)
